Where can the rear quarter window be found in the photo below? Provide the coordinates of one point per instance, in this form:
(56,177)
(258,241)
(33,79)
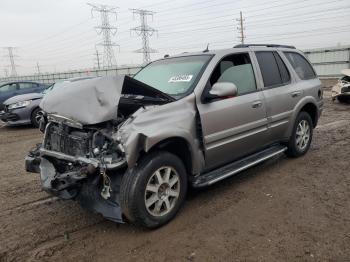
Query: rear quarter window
(273,70)
(301,66)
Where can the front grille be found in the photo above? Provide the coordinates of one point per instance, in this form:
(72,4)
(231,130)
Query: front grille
(345,89)
(65,140)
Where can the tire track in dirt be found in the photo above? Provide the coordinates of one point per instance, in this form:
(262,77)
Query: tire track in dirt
(284,209)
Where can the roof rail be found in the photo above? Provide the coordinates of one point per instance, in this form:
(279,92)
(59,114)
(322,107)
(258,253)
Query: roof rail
(267,45)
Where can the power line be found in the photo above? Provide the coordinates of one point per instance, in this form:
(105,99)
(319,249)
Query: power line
(107,32)
(145,32)
(11,56)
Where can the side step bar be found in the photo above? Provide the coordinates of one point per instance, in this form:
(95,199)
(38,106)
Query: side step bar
(233,168)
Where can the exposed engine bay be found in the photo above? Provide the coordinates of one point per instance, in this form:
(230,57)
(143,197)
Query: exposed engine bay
(79,151)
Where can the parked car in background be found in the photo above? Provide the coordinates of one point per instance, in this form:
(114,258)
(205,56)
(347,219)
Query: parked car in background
(17,88)
(24,109)
(341,90)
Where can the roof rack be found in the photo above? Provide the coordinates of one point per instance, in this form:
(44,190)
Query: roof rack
(267,45)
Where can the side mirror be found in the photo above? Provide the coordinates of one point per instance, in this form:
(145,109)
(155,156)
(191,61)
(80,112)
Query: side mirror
(222,89)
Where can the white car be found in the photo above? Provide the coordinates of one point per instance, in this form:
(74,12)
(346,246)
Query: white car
(341,90)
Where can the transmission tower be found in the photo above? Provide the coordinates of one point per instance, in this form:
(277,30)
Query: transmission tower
(11,56)
(107,31)
(145,32)
(241,28)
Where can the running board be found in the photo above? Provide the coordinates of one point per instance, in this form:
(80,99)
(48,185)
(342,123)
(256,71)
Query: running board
(233,168)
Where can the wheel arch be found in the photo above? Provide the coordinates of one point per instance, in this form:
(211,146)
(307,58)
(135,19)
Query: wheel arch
(178,146)
(309,105)
(311,109)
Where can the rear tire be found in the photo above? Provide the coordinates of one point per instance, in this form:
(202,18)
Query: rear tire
(344,99)
(153,191)
(35,117)
(300,140)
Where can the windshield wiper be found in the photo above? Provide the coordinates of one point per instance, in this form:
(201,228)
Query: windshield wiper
(140,99)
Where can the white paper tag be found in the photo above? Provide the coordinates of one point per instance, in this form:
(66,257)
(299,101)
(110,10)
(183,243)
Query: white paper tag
(180,78)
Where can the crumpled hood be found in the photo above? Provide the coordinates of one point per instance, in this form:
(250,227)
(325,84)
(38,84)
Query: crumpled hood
(24,97)
(96,100)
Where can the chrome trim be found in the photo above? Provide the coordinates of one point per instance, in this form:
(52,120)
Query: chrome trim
(95,162)
(233,172)
(64,120)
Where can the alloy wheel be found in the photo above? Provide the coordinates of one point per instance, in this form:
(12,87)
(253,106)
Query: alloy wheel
(162,191)
(303,134)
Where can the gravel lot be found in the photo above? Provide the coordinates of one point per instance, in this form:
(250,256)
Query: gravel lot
(282,210)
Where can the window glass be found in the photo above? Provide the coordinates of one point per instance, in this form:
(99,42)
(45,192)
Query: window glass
(283,69)
(27,85)
(236,69)
(301,66)
(173,76)
(8,88)
(269,69)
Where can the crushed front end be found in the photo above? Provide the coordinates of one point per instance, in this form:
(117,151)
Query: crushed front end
(81,163)
(83,155)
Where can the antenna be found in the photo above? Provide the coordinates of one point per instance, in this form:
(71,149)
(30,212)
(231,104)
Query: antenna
(207,49)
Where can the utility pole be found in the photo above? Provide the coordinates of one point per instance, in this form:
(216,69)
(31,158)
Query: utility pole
(145,32)
(6,71)
(241,28)
(38,68)
(11,56)
(97,54)
(107,31)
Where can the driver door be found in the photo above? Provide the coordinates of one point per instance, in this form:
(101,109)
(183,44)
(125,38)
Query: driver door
(233,126)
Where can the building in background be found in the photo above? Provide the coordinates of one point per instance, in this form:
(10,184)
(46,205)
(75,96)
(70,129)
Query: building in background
(328,62)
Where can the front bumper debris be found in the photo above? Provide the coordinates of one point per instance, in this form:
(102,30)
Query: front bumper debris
(82,184)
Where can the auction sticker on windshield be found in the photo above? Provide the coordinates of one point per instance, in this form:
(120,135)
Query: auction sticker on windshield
(180,78)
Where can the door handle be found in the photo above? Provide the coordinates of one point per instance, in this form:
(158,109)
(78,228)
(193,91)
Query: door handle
(257,104)
(296,94)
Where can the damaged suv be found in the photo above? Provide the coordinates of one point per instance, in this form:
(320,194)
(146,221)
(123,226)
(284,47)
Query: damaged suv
(128,148)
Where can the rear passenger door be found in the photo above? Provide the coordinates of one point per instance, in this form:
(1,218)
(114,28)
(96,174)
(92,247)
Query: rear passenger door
(281,93)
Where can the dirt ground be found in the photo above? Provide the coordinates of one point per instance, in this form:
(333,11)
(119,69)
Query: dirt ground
(282,210)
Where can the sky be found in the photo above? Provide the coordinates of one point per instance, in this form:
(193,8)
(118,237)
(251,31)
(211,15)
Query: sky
(60,35)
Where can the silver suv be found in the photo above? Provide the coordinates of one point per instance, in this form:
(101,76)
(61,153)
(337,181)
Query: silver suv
(128,148)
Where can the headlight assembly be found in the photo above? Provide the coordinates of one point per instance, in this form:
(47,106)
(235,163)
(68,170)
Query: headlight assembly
(19,104)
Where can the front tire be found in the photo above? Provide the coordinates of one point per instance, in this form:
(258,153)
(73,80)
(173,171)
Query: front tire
(153,191)
(36,116)
(300,140)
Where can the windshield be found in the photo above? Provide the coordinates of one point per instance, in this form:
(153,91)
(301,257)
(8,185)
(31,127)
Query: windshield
(174,76)
(55,85)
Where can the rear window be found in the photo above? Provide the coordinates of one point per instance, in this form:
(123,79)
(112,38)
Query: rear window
(273,70)
(301,66)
